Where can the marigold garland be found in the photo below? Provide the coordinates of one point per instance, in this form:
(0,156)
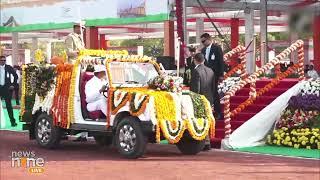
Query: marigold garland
(125,98)
(164,104)
(209,116)
(122,52)
(92,52)
(136,111)
(172,131)
(28,91)
(109,75)
(72,93)
(61,100)
(265,89)
(234,70)
(158,132)
(298,45)
(23,91)
(198,128)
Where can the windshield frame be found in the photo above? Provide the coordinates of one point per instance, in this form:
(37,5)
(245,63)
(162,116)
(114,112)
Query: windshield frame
(110,77)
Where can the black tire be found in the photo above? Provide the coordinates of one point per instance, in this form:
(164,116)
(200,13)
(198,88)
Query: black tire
(140,141)
(103,140)
(188,146)
(52,138)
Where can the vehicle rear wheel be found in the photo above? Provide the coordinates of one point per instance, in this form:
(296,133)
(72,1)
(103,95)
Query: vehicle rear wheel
(130,140)
(103,140)
(187,145)
(47,135)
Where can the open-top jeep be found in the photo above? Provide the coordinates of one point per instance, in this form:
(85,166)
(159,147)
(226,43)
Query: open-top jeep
(143,105)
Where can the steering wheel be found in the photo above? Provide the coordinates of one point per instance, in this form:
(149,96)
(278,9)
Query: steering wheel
(105,92)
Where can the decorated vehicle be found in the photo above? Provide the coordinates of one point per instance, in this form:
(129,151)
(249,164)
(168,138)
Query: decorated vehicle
(143,105)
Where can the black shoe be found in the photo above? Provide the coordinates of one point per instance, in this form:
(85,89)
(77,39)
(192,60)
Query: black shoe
(207,147)
(80,139)
(14,124)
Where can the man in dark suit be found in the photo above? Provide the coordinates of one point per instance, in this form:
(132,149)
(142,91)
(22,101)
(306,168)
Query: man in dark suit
(6,71)
(203,82)
(214,59)
(189,66)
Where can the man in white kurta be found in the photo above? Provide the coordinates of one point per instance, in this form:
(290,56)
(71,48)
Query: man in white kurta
(94,89)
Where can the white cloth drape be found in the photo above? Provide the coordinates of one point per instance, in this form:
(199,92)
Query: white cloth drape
(254,131)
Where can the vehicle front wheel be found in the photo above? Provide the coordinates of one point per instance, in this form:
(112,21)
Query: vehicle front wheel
(187,145)
(130,140)
(47,135)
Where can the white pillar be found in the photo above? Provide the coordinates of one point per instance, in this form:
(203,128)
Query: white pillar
(249,35)
(185,32)
(15,48)
(140,50)
(199,29)
(264,32)
(48,51)
(34,48)
(306,52)
(293,39)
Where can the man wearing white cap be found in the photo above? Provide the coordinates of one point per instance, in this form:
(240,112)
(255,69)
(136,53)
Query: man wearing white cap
(74,42)
(94,88)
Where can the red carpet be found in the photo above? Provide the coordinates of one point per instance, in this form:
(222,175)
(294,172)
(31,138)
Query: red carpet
(260,103)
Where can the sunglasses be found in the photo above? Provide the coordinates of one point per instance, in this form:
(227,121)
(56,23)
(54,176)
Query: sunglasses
(2,60)
(203,41)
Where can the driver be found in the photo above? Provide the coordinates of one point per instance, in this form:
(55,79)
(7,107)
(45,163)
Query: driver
(94,88)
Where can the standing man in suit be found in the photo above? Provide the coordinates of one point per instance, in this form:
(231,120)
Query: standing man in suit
(203,82)
(189,66)
(6,71)
(214,59)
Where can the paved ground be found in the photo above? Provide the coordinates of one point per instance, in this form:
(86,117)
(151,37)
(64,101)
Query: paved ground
(88,161)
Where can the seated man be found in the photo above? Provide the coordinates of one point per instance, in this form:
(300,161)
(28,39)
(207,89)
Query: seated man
(94,88)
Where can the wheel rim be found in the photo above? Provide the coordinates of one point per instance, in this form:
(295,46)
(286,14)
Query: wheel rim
(127,138)
(44,131)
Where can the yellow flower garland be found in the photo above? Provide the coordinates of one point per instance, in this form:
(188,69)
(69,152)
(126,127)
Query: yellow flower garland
(109,74)
(210,116)
(141,107)
(91,52)
(64,56)
(72,92)
(165,110)
(166,127)
(200,123)
(122,52)
(38,55)
(164,103)
(23,90)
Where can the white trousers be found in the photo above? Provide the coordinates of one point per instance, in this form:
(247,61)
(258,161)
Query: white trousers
(98,105)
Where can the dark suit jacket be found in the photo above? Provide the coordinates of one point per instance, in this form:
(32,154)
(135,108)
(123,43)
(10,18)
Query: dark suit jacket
(203,82)
(216,64)
(189,63)
(8,72)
